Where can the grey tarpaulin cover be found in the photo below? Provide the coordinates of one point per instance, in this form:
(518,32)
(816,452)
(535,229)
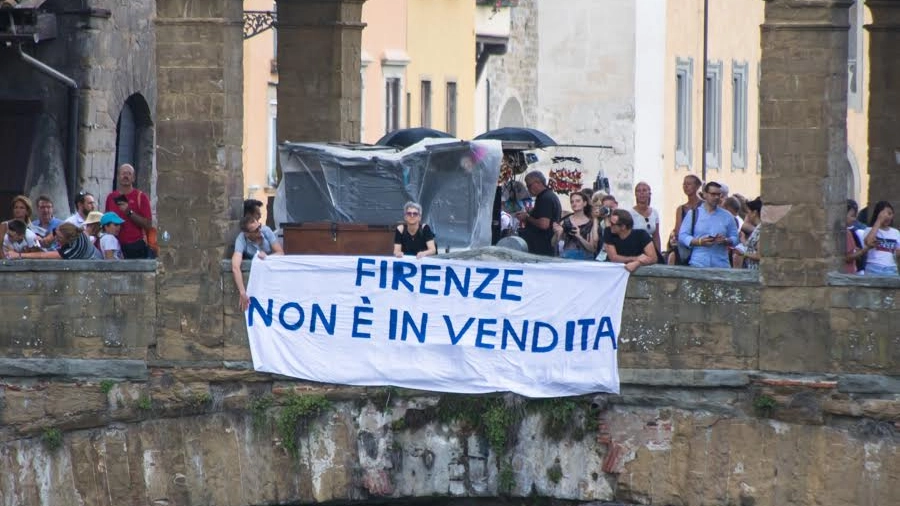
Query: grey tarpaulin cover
(453,181)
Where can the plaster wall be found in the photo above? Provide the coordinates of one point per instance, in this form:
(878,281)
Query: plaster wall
(734,37)
(441,60)
(385,34)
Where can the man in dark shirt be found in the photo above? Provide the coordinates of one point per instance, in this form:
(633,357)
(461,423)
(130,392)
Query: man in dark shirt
(538,230)
(624,245)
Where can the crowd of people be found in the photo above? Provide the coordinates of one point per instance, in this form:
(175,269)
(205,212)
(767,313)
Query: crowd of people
(123,231)
(713,228)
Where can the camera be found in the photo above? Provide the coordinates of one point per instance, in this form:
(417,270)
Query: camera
(605,211)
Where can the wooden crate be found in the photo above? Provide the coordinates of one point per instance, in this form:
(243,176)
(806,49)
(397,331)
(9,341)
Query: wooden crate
(326,238)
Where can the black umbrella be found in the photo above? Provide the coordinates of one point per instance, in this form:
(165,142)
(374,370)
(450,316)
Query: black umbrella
(517,134)
(405,137)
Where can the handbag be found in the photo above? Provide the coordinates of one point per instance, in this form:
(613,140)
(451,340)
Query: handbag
(684,252)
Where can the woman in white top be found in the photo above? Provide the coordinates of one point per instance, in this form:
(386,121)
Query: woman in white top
(109,241)
(883,241)
(645,217)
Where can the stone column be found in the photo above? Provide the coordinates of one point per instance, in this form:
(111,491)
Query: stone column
(884,102)
(198,159)
(319,83)
(803,143)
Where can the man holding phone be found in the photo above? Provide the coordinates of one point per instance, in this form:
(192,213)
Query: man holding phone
(712,233)
(133,206)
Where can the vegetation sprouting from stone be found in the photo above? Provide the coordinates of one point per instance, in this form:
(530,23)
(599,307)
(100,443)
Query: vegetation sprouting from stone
(106,386)
(295,416)
(764,405)
(259,411)
(506,479)
(52,438)
(144,403)
(572,417)
(554,472)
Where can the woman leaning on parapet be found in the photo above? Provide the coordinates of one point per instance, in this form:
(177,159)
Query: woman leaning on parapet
(882,241)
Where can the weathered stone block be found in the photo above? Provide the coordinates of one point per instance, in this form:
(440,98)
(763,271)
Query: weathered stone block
(795,341)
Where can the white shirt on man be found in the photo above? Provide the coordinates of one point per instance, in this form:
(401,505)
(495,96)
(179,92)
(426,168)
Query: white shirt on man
(29,241)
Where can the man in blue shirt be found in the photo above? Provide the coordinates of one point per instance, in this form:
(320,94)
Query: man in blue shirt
(46,222)
(713,232)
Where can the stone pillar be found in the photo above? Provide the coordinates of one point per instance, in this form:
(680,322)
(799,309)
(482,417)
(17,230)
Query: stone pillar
(319,83)
(803,143)
(198,159)
(884,102)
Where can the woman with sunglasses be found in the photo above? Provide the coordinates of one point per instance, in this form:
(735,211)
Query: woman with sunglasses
(412,237)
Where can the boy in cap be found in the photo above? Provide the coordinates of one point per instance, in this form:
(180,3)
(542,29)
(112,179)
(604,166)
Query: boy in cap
(111,224)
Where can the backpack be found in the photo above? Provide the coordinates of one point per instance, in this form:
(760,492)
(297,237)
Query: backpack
(683,253)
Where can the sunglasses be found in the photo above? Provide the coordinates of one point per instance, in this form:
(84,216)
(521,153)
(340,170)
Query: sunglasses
(412,213)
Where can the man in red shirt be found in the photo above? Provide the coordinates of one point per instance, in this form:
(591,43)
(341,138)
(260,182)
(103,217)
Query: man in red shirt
(133,206)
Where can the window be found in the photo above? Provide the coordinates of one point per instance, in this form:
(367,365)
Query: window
(713,109)
(425,106)
(451,108)
(391,104)
(739,72)
(684,71)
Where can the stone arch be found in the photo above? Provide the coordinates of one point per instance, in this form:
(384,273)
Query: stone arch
(512,114)
(134,140)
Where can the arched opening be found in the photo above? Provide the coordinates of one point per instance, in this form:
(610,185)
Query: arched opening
(853,183)
(512,115)
(134,140)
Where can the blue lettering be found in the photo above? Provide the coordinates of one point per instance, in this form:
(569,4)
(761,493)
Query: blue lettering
(509,283)
(426,278)
(454,338)
(291,326)
(491,273)
(605,329)
(451,278)
(585,326)
(266,315)
(409,323)
(359,321)
(402,271)
(382,282)
(360,272)
(535,338)
(519,339)
(318,314)
(484,332)
(392,325)
(570,335)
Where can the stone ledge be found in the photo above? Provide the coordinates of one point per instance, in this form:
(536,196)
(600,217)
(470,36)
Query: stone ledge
(72,367)
(685,377)
(78,265)
(838,279)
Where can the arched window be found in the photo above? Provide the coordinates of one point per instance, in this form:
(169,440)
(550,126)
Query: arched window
(134,140)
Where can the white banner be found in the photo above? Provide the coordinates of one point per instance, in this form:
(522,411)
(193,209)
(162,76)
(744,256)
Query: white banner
(539,330)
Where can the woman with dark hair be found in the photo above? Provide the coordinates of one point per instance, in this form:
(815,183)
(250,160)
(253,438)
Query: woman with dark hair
(691,188)
(578,231)
(750,250)
(882,240)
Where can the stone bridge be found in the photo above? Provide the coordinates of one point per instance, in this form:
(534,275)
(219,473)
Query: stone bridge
(130,383)
(98,407)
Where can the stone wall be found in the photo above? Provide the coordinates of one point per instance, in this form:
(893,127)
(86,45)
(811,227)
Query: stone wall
(87,416)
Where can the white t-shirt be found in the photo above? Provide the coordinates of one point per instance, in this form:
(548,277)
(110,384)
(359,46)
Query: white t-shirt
(886,243)
(650,223)
(109,242)
(30,241)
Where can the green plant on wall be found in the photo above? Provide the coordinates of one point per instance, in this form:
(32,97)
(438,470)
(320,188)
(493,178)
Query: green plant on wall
(106,386)
(144,402)
(764,405)
(52,439)
(259,411)
(295,416)
(506,479)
